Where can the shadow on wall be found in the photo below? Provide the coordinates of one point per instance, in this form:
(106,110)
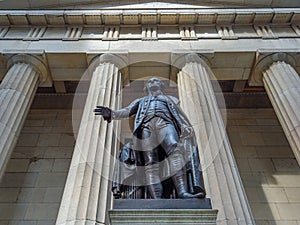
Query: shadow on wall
(269,170)
(33,183)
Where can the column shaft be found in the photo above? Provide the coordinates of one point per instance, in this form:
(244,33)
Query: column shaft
(222,179)
(282,84)
(86,197)
(17,91)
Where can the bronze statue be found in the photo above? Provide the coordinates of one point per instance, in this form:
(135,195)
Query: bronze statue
(161,132)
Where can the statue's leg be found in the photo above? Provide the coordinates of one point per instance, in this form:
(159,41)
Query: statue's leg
(176,162)
(151,161)
(179,176)
(152,174)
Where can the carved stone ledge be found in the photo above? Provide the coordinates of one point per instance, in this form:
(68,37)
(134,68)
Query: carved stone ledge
(138,16)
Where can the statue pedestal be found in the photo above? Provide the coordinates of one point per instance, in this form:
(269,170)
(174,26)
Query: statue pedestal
(162,212)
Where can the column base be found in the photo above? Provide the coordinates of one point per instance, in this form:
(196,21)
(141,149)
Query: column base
(162,212)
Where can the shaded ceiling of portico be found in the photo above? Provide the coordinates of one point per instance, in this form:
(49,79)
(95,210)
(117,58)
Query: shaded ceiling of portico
(93,4)
(66,77)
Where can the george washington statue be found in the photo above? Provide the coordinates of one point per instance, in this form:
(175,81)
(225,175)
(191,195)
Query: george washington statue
(163,155)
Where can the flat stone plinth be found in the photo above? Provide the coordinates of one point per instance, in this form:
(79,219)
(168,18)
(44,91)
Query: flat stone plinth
(162,212)
(203,203)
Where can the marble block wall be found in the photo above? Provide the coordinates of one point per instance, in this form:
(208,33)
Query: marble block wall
(32,186)
(269,170)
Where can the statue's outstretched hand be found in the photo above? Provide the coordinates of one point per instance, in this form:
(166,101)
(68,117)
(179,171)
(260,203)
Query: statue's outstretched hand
(104,111)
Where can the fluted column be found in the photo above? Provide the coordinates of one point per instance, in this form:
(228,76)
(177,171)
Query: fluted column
(87,195)
(17,91)
(221,176)
(282,84)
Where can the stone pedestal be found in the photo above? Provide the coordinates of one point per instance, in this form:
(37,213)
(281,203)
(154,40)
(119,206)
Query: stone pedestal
(282,84)
(162,212)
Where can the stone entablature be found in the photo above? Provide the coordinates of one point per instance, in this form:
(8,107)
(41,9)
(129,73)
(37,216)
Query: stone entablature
(185,24)
(149,16)
(146,32)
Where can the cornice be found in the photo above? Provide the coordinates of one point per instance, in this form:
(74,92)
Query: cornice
(149,16)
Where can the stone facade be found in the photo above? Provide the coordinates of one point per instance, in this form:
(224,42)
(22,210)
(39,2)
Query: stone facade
(267,165)
(211,58)
(34,180)
(32,186)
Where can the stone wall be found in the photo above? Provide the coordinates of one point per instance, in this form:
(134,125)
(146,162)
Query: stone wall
(32,186)
(269,171)
(31,189)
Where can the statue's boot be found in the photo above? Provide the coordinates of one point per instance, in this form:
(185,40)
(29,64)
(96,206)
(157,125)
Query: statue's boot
(179,177)
(154,184)
(180,185)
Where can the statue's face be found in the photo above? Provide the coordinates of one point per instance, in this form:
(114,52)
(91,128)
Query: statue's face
(153,84)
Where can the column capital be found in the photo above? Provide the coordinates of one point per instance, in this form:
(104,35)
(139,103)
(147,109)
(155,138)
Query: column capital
(264,59)
(180,59)
(119,59)
(36,58)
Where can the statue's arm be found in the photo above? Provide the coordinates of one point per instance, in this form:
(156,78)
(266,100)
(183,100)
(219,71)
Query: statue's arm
(176,103)
(109,114)
(186,126)
(127,111)
(184,116)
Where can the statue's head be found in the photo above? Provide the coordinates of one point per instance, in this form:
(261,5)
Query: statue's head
(153,85)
